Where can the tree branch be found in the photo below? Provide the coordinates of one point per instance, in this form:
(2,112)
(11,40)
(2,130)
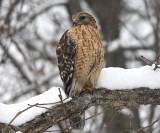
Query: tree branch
(117,99)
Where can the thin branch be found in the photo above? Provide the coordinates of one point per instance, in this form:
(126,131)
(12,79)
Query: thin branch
(27,64)
(147,59)
(20,112)
(130,123)
(34,105)
(114,116)
(95,115)
(35,15)
(57,130)
(147,10)
(12,6)
(64,112)
(156,63)
(148,125)
(133,34)
(16,64)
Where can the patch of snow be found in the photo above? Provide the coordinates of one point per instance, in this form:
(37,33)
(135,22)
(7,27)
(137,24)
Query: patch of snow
(119,78)
(8,112)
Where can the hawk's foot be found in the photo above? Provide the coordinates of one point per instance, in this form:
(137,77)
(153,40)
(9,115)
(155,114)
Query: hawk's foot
(88,88)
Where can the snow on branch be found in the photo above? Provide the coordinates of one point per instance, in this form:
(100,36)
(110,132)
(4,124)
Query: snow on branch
(129,88)
(119,78)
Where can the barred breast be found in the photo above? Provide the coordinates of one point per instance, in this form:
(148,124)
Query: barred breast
(89,56)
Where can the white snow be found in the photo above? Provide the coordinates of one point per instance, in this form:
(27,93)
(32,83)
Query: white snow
(8,112)
(119,78)
(110,78)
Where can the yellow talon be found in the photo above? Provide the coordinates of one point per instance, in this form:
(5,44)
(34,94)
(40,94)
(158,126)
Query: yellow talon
(88,88)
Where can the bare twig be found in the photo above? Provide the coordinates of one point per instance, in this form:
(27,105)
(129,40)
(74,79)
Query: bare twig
(147,13)
(156,63)
(40,107)
(96,114)
(133,34)
(147,59)
(148,125)
(27,64)
(34,105)
(16,63)
(20,112)
(40,104)
(52,103)
(30,106)
(57,130)
(130,123)
(158,59)
(35,15)
(83,120)
(12,6)
(114,116)
(64,112)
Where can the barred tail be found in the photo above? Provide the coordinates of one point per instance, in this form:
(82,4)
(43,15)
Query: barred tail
(77,122)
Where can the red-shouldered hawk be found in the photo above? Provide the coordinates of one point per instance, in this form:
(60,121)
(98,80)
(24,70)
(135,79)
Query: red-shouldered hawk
(80,55)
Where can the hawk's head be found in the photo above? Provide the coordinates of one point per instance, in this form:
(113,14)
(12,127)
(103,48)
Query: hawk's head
(83,18)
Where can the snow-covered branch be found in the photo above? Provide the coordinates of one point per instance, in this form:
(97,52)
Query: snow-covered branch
(117,99)
(118,88)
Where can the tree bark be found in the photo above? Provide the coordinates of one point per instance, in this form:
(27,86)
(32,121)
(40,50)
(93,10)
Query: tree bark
(115,99)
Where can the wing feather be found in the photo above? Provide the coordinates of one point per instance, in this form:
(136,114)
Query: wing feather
(66,52)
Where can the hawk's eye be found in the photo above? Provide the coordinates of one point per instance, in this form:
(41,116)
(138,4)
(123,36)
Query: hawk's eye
(82,18)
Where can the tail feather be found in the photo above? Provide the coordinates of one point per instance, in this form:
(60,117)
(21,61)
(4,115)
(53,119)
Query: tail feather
(77,122)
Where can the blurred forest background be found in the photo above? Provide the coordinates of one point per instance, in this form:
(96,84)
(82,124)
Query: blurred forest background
(30,31)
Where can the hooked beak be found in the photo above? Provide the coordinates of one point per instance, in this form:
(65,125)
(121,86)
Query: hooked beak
(75,21)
